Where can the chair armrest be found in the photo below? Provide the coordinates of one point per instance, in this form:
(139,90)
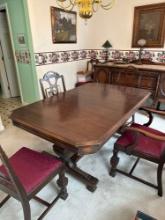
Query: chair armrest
(150,116)
(150,112)
(147,133)
(159,112)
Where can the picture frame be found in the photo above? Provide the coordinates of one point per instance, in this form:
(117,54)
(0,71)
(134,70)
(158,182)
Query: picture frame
(64,25)
(149,24)
(21,39)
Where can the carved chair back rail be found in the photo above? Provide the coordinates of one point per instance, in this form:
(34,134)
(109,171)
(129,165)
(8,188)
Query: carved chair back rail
(51,84)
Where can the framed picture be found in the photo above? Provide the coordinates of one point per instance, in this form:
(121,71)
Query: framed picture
(63,25)
(149,24)
(21,39)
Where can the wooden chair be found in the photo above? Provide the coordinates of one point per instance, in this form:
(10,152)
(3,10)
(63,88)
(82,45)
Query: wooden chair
(90,64)
(143,142)
(24,174)
(159,102)
(51,85)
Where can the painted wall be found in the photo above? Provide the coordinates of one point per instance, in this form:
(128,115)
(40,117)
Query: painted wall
(116,25)
(39,13)
(18,16)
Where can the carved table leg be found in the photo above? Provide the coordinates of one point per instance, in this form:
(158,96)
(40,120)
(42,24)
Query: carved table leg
(70,159)
(89,180)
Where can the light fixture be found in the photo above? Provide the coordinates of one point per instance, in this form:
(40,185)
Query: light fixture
(86,8)
(141,43)
(106,45)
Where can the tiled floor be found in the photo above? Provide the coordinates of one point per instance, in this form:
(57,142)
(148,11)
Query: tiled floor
(6,108)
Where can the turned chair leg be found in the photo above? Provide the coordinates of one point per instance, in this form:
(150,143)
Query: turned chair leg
(114,162)
(62,183)
(159,179)
(26,210)
(158,106)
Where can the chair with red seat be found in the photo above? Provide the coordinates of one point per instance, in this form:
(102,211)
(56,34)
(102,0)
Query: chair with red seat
(143,142)
(25,173)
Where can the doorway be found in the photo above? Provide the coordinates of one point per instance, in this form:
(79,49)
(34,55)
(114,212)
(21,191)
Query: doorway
(9,90)
(8,78)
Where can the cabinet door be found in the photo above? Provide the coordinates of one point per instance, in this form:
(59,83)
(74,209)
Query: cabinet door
(149,80)
(125,77)
(102,75)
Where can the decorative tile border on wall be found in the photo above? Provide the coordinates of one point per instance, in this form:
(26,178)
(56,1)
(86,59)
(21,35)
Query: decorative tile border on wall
(22,56)
(45,58)
(155,56)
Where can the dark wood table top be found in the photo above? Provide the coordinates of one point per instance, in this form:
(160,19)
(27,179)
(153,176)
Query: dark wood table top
(84,118)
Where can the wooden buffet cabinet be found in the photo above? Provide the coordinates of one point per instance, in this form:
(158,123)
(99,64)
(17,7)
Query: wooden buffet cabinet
(150,77)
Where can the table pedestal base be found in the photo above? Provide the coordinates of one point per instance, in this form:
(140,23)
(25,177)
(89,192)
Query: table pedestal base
(70,159)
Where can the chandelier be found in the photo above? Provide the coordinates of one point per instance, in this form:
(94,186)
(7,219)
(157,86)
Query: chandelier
(86,8)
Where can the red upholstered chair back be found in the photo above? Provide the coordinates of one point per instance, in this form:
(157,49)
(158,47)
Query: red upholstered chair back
(11,184)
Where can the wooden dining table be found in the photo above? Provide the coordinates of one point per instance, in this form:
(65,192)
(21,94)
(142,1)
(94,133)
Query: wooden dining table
(80,121)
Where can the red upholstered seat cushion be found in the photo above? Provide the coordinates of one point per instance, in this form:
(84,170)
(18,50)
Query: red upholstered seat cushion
(146,145)
(32,167)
